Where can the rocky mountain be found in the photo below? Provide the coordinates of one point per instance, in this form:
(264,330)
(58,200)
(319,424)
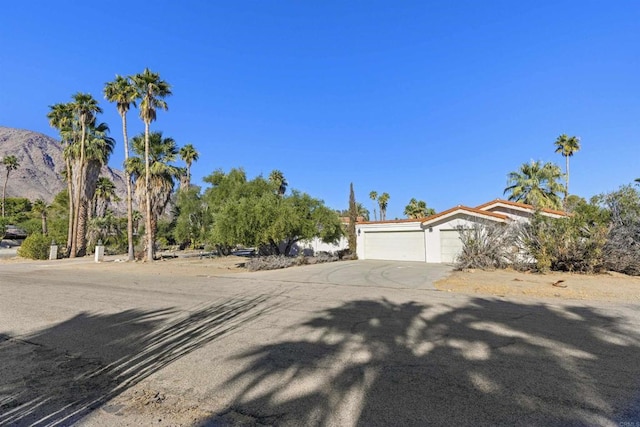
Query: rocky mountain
(41,163)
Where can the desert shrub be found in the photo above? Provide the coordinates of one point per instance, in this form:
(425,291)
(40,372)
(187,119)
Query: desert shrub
(622,250)
(565,244)
(274,262)
(270,262)
(487,246)
(35,246)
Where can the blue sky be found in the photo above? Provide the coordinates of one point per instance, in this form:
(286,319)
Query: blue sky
(437,100)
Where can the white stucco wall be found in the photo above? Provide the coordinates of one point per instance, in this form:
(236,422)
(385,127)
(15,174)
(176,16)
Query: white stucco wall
(433,233)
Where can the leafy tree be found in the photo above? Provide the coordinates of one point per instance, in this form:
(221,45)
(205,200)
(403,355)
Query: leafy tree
(567,146)
(418,209)
(124,94)
(252,214)
(188,154)
(151,92)
(536,184)
(192,218)
(157,189)
(383,202)
(353,218)
(279,182)
(10,163)
(374,196)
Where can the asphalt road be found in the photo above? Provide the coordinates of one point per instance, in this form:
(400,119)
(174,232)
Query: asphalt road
(342,344)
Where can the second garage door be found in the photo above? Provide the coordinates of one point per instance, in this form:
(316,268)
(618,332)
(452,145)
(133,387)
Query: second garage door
(395,245)
(450,245)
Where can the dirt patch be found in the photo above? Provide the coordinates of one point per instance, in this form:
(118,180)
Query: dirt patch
(510,283)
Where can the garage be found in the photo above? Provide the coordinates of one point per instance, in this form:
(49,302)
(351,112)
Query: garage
(450,245)
(395,245)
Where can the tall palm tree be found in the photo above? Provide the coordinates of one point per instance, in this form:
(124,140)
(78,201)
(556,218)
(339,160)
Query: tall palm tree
(123,93)
(567,146)
(10,163)
(61,118)
(279,182)
(40,207)
(162,152)
(151,91)
(104,194)
(417,209)
(98,148)
(374,196)
(188,154)
(383,201)
(85,108)
(536,184)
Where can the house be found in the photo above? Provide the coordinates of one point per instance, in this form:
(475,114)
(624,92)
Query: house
(316,245)
(435,238)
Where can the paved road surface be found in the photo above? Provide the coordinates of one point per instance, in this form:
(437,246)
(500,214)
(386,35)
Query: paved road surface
(342,344)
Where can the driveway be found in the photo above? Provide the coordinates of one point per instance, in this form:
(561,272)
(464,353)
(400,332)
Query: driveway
(343,344)
(368,273)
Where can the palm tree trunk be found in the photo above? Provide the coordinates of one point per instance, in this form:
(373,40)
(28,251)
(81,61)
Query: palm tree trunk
(92,172)
(71,207)
(147,195)
(130,253)
(566,190)
(44,223)
(83,219)
(4,192)
(79,190)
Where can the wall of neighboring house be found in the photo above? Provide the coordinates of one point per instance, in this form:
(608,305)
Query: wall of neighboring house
(315,245)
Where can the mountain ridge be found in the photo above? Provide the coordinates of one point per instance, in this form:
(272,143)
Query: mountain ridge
(41,163)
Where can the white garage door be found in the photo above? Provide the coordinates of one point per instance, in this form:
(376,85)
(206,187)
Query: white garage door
(395,245)
(450,245)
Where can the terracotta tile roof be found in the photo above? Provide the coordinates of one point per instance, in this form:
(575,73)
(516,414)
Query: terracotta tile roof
(466,209)
(345,220)
(519,205)
(393,221)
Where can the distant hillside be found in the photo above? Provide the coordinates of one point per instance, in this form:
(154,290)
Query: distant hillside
(41,163)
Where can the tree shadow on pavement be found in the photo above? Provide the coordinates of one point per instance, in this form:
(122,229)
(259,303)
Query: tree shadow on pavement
(489,362)
(58,375)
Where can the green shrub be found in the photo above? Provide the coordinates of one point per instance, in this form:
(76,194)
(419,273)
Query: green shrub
(566,244)
(36,246)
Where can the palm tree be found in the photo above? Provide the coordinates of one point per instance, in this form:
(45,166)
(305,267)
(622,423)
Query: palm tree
(536,184)
(162,152)
(362,211)
(123,93)
(151,91)
(567,146)
(383,201)
(61,118)
(41,207)
(104,194)
(10,163)
(188,154)
(85,108)
(418,209)
(98,149)
(279,182)
(374,196)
